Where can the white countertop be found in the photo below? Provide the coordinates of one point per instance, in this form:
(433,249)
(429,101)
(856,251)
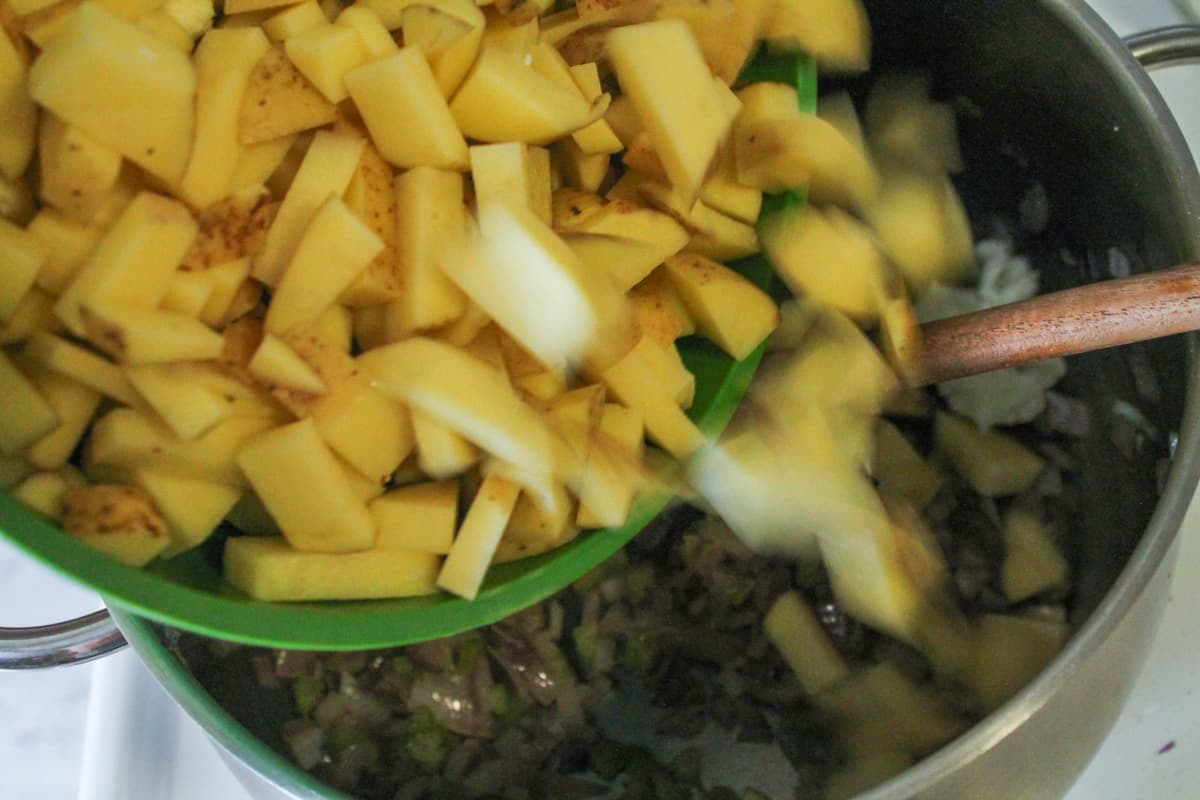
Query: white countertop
(1154,750)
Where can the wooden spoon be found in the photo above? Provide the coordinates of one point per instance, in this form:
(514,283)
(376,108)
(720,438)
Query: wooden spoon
(1091,317)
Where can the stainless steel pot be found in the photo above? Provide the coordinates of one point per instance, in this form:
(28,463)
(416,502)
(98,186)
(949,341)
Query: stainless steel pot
(1118,173)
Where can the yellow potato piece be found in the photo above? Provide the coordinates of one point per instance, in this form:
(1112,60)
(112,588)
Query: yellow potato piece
(77,172)
(421,517)
(124,87)
(73,361)
(28,416)
(473,548)
(187,406)
(994,464)
(66,244)
(224,61)
(797,633)
(74,403)
(279,101)
(325,55)
(192,509)
(293,20)
(23,256)
(465,394)
(375,40)
(268,569)
(441,453)
(368,429)
(18,136)
(449,33)
(335,247)
(277,363)
(133,263)
(301,483)
(429,213)
(836,32)
(119,521)
(405,112)
(728,309)
(661,68)
(1032,562)
(512,174)
(138,336)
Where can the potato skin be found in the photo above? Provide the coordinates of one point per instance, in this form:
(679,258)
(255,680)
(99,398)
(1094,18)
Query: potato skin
(110,508)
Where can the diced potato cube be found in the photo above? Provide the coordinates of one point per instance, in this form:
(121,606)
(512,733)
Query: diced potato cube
(293,20)
(580,169)
(795,631)
(75,171)
(723,191)
(449,33)
(994,464)
(28,416)
(580,311)
(187,293)
(441,453)
(512,174)
(371,431)
(44,491)
(121,85)
(268,569)
(188,407)
(119,521)
(728,309)
(906,126)
(829,256)
(334,248)
(133,264)
(599,137)
(375,40)
(23,256)
(128,438)
(371,195)
(1011,652)
(429,213)
(279,101)
(35,313)
(405,112)
(224,60)
(74,403)
(138,336)
(836,32)
(473,548)
(503,99)
(327,168)
(924,229)
(192,509)
(325,55)
(83,365)
(19,132)
(300,482)
(660,312)
(66,243)
(728,42)
(900,470)
(661,68)
(277,363)
(421,517)
(228,285)
(613,471)
(1032,562)
(633,382)
(465,394)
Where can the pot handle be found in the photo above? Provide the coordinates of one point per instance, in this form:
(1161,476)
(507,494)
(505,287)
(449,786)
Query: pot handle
(1166,47)
(60,644)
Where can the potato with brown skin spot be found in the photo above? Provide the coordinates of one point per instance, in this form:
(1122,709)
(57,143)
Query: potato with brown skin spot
(280,101)
(121,521)
(230,229)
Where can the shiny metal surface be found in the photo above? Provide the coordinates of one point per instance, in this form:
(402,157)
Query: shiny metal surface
(1118,173)
(75,641)
(1166,47)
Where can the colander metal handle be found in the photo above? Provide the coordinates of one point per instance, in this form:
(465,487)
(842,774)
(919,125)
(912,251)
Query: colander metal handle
(1166,47)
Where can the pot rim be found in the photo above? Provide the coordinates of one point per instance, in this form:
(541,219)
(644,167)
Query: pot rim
(1163,528)
(1156,542)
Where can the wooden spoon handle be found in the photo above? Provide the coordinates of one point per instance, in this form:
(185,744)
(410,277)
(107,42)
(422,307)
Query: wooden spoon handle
(1091,317)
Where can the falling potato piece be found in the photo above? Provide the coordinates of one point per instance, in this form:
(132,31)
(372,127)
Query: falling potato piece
(728,42)
(269,569)
(797,633)
(995,465)
(119,521)
(836,32)
(829,256)
(900,469)
(1032,562)
(923,228)
(519,263)
(907,126)
(1012,651)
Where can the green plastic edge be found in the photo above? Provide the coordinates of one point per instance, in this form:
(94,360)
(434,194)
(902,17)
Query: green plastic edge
(206,605)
